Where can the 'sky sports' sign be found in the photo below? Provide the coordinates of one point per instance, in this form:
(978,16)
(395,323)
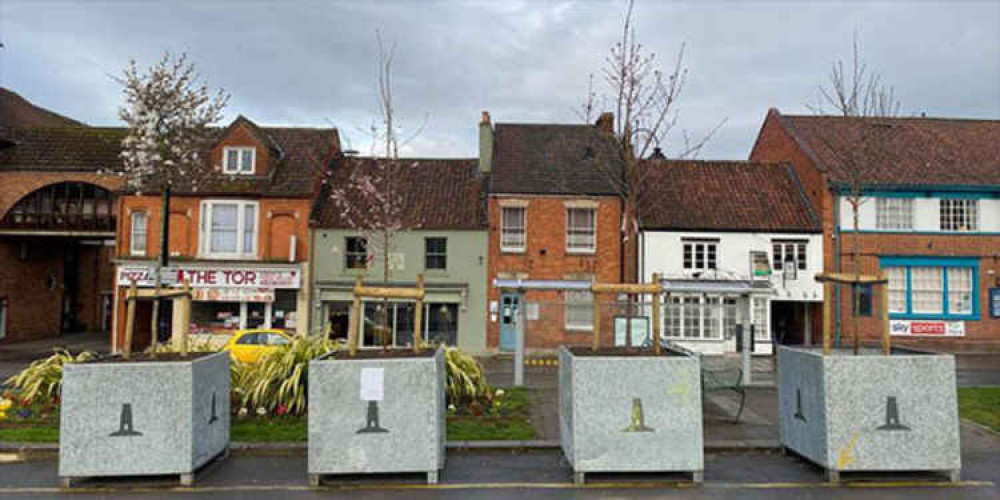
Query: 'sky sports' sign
(927,328)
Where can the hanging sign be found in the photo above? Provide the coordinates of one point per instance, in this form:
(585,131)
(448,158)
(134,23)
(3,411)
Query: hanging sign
(927,328)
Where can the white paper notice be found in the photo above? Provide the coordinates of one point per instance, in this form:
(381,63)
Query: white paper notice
(371,384)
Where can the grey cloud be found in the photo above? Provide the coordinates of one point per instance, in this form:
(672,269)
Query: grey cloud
(312,63)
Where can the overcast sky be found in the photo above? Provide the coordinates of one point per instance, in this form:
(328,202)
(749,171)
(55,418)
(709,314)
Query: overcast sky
(313,63)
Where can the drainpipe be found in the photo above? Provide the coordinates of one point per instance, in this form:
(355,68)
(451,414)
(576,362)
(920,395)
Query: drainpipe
(836,265)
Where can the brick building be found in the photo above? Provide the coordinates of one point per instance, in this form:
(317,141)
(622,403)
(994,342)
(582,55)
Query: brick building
(930,219)
(554,216)
(57,220)
(241,239)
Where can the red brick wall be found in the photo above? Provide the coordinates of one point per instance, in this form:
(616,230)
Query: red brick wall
(279,219)
(33,308)
(983,332)
(775,144)
(545,257)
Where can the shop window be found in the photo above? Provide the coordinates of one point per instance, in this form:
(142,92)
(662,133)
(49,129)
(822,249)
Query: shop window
(436,253)
(356,253)
(700,254)
(229,229)
(208,317)
(239,160)
(283,310)
(441,323)
(338,316)
(932,288)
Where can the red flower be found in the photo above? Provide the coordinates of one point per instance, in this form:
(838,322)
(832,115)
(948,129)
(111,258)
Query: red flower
(281,410)
(25,401)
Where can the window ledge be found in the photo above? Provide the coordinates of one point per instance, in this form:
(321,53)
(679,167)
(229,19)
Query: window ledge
(581,252)
(579,328)
(512,250)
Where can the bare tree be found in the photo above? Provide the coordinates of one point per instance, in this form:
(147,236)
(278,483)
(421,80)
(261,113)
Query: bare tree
(371,199)
(858,93)
(644,100)
(168,113)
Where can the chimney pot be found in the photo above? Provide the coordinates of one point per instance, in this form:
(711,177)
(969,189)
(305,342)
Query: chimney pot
(606,122)
(486,118)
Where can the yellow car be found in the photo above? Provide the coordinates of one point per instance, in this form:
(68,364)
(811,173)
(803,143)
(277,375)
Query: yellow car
(248,346)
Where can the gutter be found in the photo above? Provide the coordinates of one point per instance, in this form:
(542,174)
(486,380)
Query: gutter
(836,264)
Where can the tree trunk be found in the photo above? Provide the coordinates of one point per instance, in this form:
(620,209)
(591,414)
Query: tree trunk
(163,261)
(856,256)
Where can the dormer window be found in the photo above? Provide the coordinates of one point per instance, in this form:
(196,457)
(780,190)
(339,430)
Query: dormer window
(238,160)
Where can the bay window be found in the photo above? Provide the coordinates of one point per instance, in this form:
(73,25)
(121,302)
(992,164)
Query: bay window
(228,229)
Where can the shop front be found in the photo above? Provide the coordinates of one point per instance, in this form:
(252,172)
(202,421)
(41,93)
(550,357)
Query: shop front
(445,310)
(225,298)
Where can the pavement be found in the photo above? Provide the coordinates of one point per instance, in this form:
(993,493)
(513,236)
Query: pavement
(17,355)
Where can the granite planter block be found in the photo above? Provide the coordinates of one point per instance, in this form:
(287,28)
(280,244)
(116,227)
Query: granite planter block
(143,417)
(869,412)
(377,415)
(631,413)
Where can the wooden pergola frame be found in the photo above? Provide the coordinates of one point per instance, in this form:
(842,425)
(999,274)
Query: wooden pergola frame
(654,289)
(830,280)
(360,291)
(181,297)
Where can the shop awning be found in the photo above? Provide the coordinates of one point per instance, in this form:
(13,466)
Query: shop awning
(739,287)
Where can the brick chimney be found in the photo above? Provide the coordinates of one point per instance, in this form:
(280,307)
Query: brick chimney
(606,122)
(485,144)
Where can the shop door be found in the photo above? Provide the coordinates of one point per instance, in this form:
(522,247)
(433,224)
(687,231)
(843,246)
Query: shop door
(510,305)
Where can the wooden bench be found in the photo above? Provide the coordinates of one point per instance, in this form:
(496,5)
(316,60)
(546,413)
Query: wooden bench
(725,379)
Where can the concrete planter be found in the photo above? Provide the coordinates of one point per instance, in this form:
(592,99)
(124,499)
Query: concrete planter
(631,414)
(143,417)
(377,415)
(870,412)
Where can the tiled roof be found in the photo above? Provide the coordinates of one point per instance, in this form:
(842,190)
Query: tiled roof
(305,153)
(437,193)
(16,111)
(554,159)
(921,151)
(75,149)
(724,196)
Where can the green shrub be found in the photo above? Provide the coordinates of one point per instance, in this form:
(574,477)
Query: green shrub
(277,382)
(43,377)
(466,382)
